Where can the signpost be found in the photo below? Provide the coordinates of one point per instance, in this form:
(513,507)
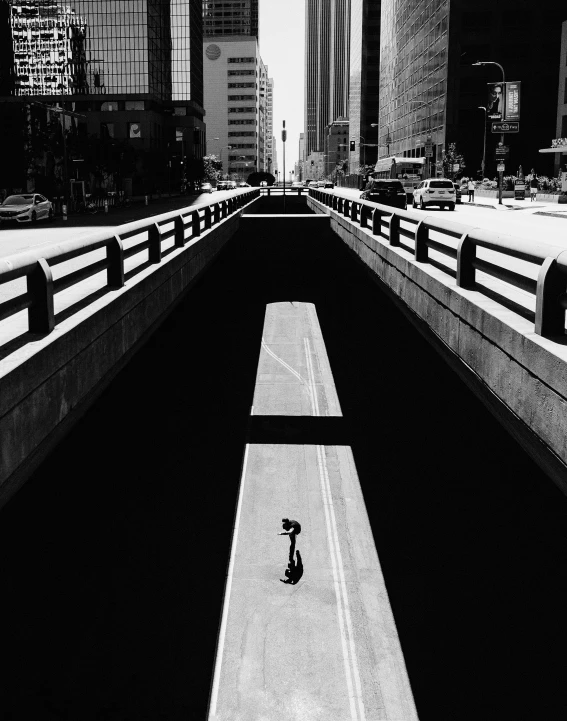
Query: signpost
(505,127)
(500,168)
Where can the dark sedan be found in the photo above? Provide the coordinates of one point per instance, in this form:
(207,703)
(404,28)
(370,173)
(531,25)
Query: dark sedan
(386,192)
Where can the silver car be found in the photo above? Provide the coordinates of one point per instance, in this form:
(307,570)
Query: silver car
(26,208)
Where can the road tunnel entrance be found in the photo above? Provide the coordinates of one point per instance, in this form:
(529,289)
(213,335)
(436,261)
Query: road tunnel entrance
(114,554)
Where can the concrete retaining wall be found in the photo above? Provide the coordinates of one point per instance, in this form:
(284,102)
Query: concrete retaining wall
(46,385)
(520,376)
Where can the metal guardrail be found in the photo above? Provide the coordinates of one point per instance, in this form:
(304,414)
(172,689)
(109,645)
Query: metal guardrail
(280,191)
(549,289)
(35,265)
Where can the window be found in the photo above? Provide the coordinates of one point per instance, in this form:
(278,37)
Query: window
(565,92)
(180,111)
(241,85)
(240,60)
(564,127)
(134,105)
(107,107)
(241,97)
(242,110)
(107,130)
(134,130)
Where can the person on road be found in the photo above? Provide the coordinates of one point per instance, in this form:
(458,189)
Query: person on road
(470,187)
(533,188)
(291,529)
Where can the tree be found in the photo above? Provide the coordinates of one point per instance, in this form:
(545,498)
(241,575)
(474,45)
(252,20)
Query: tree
(212,168)
(450,158)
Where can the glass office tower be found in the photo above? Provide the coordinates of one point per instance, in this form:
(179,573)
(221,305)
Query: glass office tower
(230,17)
(429,80)
(132,68)
(327,43)
(413,76)
(364,81)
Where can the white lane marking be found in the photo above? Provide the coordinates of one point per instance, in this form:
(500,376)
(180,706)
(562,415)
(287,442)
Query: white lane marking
(283,363)
(335,551)
(224,620)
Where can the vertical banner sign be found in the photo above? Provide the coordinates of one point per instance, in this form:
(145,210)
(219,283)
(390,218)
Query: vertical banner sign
(512,102)
(495,101)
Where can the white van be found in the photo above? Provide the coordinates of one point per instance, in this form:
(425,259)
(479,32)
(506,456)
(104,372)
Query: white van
(435,191)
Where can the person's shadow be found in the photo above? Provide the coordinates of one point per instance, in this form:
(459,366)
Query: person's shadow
(294,570)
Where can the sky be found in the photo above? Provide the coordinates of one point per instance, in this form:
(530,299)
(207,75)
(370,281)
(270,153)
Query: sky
(282,48)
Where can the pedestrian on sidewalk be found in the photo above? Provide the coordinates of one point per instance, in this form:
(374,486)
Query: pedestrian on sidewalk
(533,188)
(291,529)
(470,186)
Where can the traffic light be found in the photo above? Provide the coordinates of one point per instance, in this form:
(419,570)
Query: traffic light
(312,162)
(352,148)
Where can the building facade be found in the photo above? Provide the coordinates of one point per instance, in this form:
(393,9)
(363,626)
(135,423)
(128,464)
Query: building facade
(235,80)
(230,17)
(561,125)
(269,131)
(336,150)
(364,83)
(327,52)
(133,71)
(430,86)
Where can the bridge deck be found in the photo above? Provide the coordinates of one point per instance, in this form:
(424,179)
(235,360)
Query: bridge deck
(327,646)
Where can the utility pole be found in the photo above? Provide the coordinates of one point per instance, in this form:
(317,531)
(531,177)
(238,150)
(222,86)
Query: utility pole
(284,138)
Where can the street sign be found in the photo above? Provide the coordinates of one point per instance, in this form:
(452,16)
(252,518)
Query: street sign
(428,149)
(502,150)
(284,135)
(500,167)
(513,127)
(456,167)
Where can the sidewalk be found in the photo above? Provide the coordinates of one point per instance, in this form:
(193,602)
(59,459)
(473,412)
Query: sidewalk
(135,211)
(543,208)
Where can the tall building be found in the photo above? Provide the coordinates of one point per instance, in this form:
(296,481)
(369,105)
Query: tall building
(269,131)
(230,17)
(238,91)
(234,77)
(132,70)
(429,85)
(561,125)
(327,43)
(364,84)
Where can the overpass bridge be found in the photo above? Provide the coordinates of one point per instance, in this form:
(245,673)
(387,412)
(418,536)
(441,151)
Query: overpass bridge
(282,389)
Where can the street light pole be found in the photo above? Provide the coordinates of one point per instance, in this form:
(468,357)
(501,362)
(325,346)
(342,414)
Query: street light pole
(481,107)
(500,172)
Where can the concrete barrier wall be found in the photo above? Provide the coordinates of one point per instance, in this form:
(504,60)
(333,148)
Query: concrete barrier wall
(520,376)
(46,385)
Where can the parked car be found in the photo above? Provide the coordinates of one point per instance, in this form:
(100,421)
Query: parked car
(206,188)
(435,191)
(26,208)
(386,192)
(320,184)
(329,184)
(244,185)
(312,184)
(297,184)
(222,185)
(231,185)
(458,194)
